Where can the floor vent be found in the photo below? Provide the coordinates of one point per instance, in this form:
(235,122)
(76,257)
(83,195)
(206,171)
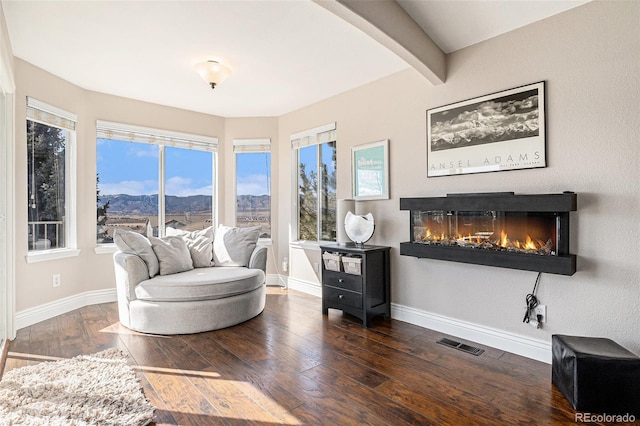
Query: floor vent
(461,347)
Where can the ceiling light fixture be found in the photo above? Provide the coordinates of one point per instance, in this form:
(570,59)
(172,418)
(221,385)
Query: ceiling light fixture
(213,72)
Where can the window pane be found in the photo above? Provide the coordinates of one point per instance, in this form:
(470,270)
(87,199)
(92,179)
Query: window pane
(308,193)
(46,160)
(127,191)
(253,191)
(188,188)
(328,191)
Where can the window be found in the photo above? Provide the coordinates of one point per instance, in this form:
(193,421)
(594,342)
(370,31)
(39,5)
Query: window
(188,188)
(51,177)
(150,179)
(253,183)
(127,187)
(315,154)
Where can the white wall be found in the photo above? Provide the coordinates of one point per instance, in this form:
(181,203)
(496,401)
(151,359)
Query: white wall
(590,60)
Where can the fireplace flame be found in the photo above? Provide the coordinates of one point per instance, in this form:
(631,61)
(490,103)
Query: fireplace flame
(430,236)
(483,241)
(504,240)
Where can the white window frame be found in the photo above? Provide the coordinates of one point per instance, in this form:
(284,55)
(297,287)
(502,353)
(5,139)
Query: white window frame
(248,146)
(56,117)
(161,138)
(315,136)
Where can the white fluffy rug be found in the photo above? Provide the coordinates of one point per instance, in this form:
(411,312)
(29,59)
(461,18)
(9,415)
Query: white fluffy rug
(98,389)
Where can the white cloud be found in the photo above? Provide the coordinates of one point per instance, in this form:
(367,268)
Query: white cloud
(179,186)
(253,185)
(147,151)
(130,187)
(182,187)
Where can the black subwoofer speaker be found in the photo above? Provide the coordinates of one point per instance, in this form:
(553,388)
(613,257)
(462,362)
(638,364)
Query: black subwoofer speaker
(596,375)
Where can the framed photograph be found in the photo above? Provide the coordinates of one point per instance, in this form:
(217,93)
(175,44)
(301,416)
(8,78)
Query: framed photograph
(370,171)
(496,132)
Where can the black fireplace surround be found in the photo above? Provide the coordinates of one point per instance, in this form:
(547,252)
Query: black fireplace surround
(527,232)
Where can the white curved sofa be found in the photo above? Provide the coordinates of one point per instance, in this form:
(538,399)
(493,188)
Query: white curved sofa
(193,301)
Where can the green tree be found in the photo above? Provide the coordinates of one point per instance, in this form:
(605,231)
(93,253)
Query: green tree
(46,147)
(308,204)
(102,233)
(328,188)
(318,187)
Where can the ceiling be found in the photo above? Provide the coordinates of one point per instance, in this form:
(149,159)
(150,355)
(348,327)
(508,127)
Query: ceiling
(284,54)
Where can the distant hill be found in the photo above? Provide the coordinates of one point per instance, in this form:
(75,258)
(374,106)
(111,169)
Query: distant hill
(124,204)
(254,203)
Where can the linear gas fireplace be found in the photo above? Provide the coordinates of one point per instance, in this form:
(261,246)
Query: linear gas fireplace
(529,232)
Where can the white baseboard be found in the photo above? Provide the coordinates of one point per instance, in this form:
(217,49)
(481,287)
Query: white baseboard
(514,343)
(276,280)
(503,340)
(305,286)
(62,306)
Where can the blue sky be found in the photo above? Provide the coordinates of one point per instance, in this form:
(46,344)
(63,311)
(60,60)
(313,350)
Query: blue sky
(132,168)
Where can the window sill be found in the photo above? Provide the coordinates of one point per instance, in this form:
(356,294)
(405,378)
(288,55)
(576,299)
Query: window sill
(47,255)
(106,249)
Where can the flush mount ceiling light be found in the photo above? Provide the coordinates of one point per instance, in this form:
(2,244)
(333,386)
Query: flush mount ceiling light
(213,72)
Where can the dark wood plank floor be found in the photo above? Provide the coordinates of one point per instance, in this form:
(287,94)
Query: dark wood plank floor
(291,365)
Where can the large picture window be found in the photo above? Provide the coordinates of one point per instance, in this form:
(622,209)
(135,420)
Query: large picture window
(315,154)
(150,179)
(253,184)
(50,154)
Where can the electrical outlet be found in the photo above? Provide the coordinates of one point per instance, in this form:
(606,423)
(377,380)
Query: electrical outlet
(56,280)
(542,311)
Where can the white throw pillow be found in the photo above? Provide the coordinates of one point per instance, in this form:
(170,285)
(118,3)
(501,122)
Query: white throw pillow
(134,243)
(233,246)
(199,243)
(173,254)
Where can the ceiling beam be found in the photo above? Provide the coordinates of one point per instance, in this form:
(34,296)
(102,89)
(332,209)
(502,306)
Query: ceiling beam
(387,22)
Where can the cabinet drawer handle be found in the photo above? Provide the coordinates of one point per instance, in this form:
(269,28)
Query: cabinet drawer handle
(340,280)
(341,296)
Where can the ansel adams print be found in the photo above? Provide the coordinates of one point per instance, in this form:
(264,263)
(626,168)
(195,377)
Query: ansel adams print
(496,120)
(501,131)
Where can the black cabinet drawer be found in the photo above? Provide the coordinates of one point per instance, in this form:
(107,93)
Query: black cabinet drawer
(343,297)
(342,280)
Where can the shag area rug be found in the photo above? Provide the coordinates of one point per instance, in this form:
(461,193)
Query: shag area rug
(99,389)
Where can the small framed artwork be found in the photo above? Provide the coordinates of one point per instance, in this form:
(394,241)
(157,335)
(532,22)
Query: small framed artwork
(496,132)
(370,171)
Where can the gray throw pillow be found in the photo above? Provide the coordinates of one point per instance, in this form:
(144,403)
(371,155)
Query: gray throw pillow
(233,246)
(173,254)
(134,243)
(199,243)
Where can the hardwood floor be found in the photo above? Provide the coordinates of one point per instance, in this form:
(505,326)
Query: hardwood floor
(291,365)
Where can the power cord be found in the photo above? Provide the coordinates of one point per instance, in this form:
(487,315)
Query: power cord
(532,302)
